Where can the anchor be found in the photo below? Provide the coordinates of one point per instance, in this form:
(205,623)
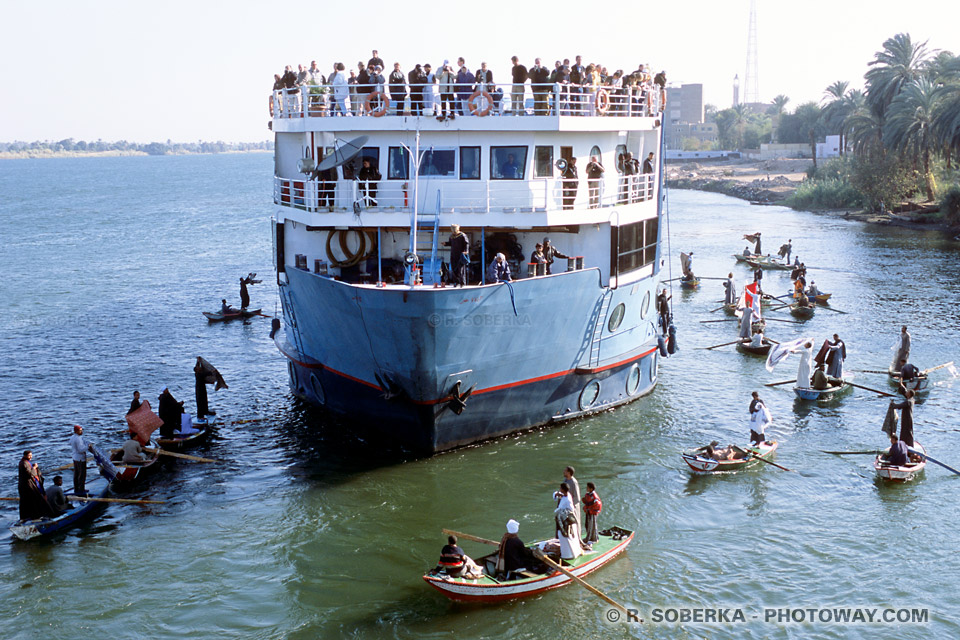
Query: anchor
(459,400)
(391,391)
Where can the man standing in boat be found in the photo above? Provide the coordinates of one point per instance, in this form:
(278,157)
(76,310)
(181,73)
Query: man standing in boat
(759,419)
(730,290)
(169,411)
(78,449)
(906,415)
(902,349)
(459,245)
(836,354)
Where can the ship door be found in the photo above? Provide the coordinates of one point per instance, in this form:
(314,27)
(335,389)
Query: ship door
(566,153)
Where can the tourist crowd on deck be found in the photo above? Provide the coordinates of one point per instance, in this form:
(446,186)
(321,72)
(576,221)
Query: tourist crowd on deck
(448,91)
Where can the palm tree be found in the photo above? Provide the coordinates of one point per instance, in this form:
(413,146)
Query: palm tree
(835,108)
(898,64)
(779,104)
(946,120)
(863,128)
(739,119)
(809,115)
(909,125)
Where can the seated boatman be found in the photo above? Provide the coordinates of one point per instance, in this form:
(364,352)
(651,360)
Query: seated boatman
(908,371)
(898,453)
(820,381)
(55,497)
(456,563)
(513,555)
(132,451)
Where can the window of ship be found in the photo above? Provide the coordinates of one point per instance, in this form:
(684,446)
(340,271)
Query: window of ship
(543,162)
(595,151)
(352,168)
(508,163)
(621,157)
(636,244)
(398,163)
(469,163)
(438,162)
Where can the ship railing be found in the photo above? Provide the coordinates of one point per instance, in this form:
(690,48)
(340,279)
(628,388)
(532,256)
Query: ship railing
(550,99)
(473,196)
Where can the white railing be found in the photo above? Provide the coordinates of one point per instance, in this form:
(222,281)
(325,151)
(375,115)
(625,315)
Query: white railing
(540,99)
(465,196)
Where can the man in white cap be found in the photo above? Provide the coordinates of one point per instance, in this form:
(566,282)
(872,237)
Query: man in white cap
(513,555)
(78,450)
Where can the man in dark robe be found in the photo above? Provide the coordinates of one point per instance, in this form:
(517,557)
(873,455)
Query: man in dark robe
(33,502)
(244,295)
(169,411)
(906,415)
(459,245)
(205,373)
(513,554)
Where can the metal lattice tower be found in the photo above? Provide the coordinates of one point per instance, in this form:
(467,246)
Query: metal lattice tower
(751,84)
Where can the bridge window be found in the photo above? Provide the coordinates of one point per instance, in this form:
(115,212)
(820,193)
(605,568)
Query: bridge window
(438,162)
(469,163)
(543,162)
(636,245)
(398,164)
(508,163)
(352,168)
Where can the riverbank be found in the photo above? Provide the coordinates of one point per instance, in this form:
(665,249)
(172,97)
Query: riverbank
(771,182)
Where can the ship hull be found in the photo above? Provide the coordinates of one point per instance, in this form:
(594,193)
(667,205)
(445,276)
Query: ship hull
(391,359)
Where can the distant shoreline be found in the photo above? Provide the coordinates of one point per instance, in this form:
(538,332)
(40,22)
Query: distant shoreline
(43,154)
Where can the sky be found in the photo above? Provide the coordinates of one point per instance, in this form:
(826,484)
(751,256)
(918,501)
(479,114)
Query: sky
(202,70)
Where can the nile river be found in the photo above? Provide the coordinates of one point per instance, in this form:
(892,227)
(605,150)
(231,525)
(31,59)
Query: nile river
(302,530)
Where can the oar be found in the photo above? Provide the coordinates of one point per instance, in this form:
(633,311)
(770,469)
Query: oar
(939,366)
(873,371)
(182,456)
(710,278)
(823,306)
(670,280)
(725,344)
(851,453)
(724,320)
(717,309)
(778,466)
(923,455)
(60,468)
(878,392)
(779,320)
(92,499)
(777,384)
(546,560)
(467,536)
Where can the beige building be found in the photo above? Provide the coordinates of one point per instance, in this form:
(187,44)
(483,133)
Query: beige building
(684,117)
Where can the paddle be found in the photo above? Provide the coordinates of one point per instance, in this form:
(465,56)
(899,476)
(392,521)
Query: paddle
(939,366)
(467,536)
(717,309)
(777,384)
(182,456)
(779,320)
(823,306)
(725,344)
(763,459)
(876,391)
(546,560)
(724,320)
(670,280)
(710,278)
(872,371)
(924,455)
(60,468)
(92,499)
(851,453)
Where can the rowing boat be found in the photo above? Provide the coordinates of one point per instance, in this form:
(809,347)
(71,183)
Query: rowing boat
(77,514)
(899,473)
(769,264)
(700,464)
(820,298)
(803,312)
(749,349)
(129,475)
(822,395)
(742,258)
(186,440)
(918,385)
(217,316)
(690,284)
(488,588)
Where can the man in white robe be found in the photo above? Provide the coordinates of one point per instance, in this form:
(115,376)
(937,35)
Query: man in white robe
(803,371)
(901,349)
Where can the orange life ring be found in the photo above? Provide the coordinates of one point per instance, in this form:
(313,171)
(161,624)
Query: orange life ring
(650,107)
(384,105)
(602,101)
(663,99)
(472,103)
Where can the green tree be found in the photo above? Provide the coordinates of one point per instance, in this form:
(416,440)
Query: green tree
(909,127)
(835,109)
(776,110)
(900,63)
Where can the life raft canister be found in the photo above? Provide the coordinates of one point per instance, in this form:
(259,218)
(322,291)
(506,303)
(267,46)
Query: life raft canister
(472,103)
(378,111)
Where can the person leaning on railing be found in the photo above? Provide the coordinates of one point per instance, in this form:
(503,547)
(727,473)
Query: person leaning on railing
(516,93)
(447,80)
(398,89)
(363,86)
(465,82)
(539,77)
(595,173)
(291,92)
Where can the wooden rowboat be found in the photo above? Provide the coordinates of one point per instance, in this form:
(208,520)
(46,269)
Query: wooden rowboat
(489,589)
(216,316)
(822,395)
(749,349)
(901,473)
(79,513)
(769,264)
(742,258)
(802,312)
(690,284)
(919,384)
(700,464)
(129,475)
(820,298)
(181,441)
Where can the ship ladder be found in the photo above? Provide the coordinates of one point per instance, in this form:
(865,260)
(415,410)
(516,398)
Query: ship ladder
(594,359)
(429,223)
(292,320)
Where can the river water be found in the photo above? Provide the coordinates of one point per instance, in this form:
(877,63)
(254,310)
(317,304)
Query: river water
(302,530)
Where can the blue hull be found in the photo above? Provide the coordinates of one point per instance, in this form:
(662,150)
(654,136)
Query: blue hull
(391,358)
(80,513)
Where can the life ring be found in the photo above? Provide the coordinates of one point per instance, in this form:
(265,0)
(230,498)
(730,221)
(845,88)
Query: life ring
(382,109)
(472,103)
(650,107)
(602,101)
(663,99)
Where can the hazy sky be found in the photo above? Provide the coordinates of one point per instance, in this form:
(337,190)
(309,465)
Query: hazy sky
(202,70)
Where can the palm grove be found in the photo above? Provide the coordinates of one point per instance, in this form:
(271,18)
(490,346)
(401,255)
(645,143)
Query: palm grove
(899,135)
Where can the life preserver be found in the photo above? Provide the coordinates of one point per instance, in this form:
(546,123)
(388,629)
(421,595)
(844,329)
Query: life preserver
(472,103)
(382,109)
(650,107)
(602,101)
(663,99)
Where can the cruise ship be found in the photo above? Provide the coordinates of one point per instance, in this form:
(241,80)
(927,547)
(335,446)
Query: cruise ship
(374,326)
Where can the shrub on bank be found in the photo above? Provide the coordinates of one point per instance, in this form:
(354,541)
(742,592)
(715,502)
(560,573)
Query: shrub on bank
(831,193)
(950,205)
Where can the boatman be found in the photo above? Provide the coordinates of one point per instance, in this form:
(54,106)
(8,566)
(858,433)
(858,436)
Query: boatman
(169,411)
(56,498)
(837,353)
(786,250)
(820,380)
(759,419)
(901,349)
(513,555)
(908,371)
(730,286)
(898,455)
(244,295)
(78,449)
(686,265)
(906,415)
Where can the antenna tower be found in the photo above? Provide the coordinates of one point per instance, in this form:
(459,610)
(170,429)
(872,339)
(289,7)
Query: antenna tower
(751,84)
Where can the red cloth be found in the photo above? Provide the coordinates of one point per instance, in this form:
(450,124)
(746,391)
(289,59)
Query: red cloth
(143,422)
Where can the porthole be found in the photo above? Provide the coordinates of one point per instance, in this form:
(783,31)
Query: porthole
(645,305)
(616,317)
(589,395)
(633,379)
(317,388)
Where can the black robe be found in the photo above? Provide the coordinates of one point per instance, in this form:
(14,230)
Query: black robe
(33,503)
(906,420)
(169,411)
